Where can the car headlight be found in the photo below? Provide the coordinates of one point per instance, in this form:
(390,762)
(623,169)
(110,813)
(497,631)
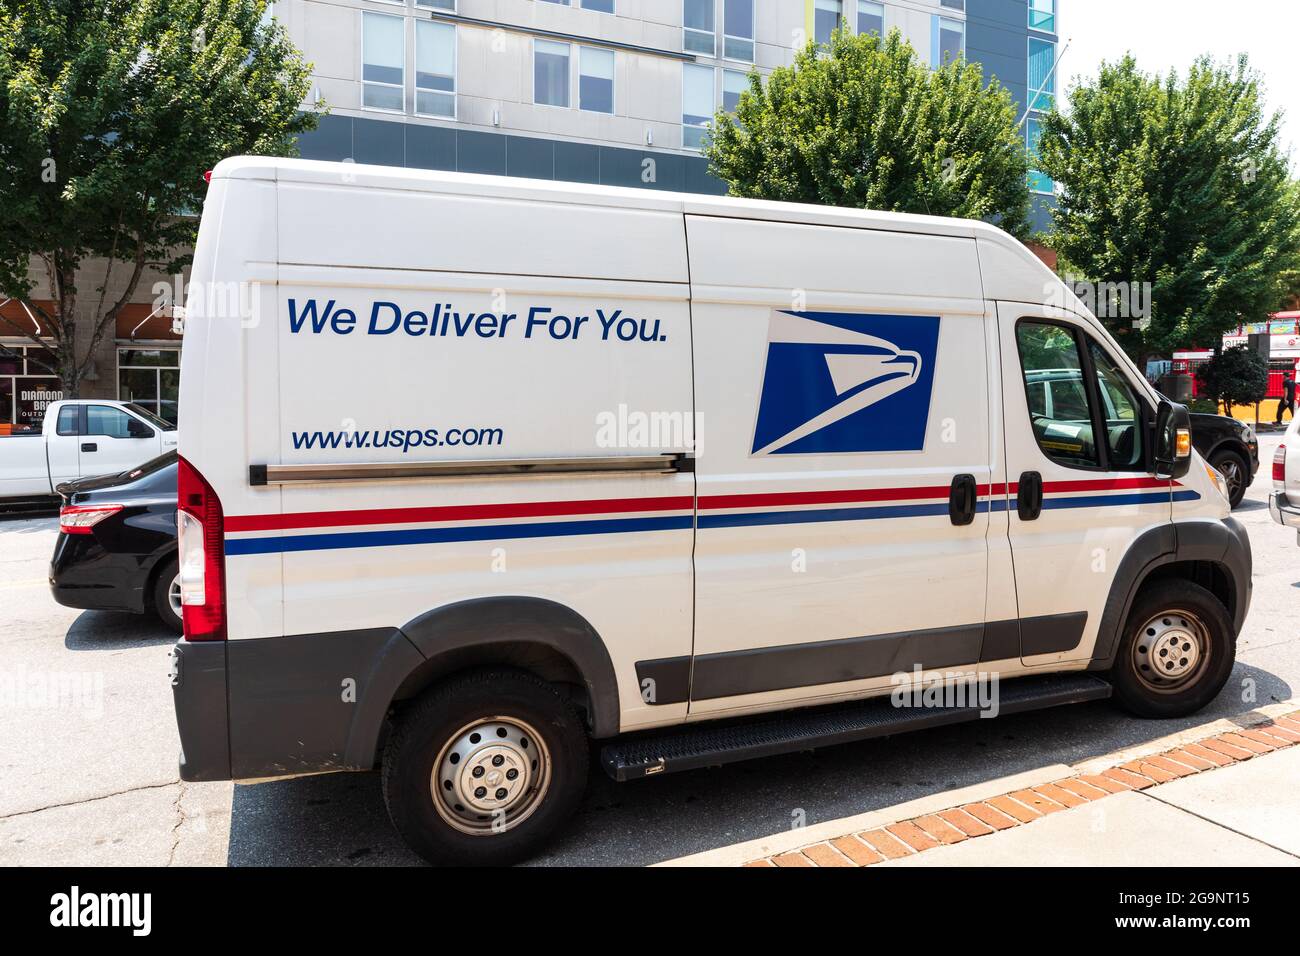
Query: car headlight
(1220,482)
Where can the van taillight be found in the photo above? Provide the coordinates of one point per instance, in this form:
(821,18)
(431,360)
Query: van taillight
(201,535)
(1279,467)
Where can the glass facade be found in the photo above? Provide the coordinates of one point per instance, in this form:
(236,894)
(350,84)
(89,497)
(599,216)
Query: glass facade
(150,378)
(27,387)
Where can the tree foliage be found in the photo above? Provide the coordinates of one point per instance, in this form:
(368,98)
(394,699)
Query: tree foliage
(1236,376)
(110,113)
(1178,182)
(865,124)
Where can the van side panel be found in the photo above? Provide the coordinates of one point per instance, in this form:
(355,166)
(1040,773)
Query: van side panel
(843,386)
(404,365)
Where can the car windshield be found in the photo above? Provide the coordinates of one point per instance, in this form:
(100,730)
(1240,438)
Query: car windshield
(160,423)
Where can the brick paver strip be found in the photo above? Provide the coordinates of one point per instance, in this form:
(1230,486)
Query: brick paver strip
(1023,807)
(967,824)
(986,814)
(791,859)
(823,855)
(1036,801)
(1014,808)
(1200,750)
(913,836)
(1254,746)
(1062,796)
(856,850)
(940,829)
(1165,763)
(1191,760)
(1220,746)
(886,844)
(1130,779)
(1104,783)
(1278,732)
(1085,790)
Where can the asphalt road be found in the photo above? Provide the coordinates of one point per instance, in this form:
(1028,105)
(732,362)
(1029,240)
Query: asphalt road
(89,769)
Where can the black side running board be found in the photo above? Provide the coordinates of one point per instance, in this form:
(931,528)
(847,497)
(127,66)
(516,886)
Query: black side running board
(714,744)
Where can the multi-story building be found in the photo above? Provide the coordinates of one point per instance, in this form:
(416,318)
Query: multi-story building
(601,91)
(590,90)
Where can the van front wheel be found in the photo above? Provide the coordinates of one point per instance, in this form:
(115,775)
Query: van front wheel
(485,768)
(1177,652)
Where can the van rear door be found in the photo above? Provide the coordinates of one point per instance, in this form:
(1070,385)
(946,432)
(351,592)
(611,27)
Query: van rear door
(1076,431)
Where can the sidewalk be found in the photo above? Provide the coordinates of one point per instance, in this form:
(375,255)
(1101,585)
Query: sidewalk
(1217,795)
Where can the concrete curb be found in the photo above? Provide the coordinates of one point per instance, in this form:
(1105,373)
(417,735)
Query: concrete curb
(791,841)
(777,843)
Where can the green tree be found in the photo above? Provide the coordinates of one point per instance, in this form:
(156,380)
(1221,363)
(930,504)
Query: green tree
(865,124)
(1236,376)
(110,113)
(1179,183)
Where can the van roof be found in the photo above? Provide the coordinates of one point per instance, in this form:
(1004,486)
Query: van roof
(545,190)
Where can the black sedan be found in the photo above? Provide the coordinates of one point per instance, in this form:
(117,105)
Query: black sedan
(117,543)
(1231,447)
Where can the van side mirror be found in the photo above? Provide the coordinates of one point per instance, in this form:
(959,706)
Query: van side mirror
(1173,440)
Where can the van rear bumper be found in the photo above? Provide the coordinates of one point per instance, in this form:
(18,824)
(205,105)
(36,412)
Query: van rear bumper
(199,694)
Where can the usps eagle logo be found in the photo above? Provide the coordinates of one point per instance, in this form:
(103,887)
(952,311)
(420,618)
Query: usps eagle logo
(844,382)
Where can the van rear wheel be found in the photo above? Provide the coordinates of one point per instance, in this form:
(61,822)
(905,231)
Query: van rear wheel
(1177,652)
(485,768)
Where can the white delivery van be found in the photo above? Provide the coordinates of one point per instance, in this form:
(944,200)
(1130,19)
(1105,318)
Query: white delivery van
(80,439)
(492,467)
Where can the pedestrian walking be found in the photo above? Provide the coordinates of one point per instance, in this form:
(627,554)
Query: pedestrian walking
(1287,402)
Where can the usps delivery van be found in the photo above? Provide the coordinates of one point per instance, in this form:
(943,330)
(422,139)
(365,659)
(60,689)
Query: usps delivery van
(482,470)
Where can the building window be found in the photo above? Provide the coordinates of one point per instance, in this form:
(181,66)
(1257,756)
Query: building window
(27,387)
(738,30)
(871,17)
(947,41)
(1038,182)
(383,62)
(600,6)
(150,378)
(1042,76)
(550,73)
(697,104)
(1042,15)
(953,4)
(448,5)
(595,80)
(827,15)
(733,84)
(435,68)
(698,29)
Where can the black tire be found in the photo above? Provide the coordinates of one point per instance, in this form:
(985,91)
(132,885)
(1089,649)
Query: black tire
(440,718)
(1236,471)
(162,582)
(1185,615)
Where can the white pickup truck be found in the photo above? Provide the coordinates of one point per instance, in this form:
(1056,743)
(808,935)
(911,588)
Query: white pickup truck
(80,439)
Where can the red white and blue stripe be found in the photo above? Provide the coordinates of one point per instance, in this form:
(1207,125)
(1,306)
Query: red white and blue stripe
(390,527)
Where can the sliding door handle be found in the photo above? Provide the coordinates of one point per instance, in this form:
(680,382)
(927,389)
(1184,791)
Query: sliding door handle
(962,497)
(1029,499)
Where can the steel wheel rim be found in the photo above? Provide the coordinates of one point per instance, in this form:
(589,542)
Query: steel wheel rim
(1171,651)
(471,782)
(174,595)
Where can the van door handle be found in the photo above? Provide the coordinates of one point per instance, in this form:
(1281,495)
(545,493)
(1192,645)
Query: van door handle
(1029,499)
(89,446)
(962,497)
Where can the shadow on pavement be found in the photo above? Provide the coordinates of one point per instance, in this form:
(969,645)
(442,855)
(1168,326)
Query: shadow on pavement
(116,630)
(340,819)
